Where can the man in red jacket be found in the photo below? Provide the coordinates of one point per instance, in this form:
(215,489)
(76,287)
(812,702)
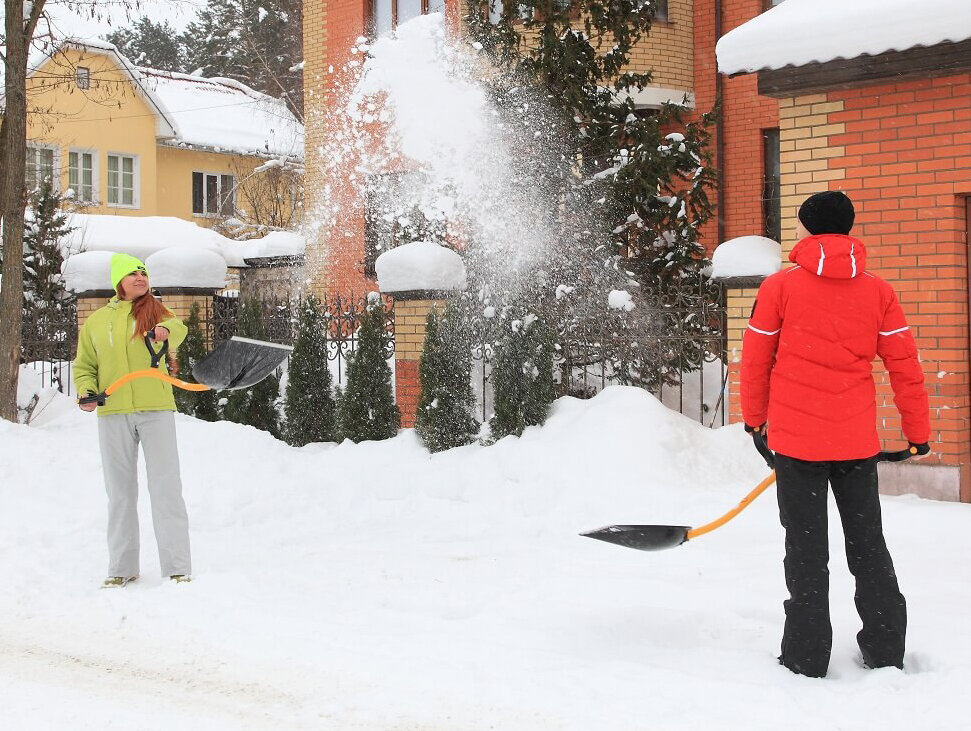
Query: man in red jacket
(806,383)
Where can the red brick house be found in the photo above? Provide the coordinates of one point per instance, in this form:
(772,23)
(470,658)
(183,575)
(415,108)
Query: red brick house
(898,145)
(881,109)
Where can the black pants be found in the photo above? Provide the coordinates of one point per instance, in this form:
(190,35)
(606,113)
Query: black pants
(808,636)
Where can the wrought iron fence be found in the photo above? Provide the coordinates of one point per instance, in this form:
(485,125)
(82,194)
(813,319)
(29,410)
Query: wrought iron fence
(280,316)
(675,348)
(49,336)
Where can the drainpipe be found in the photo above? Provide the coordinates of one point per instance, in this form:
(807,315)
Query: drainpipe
(720,131)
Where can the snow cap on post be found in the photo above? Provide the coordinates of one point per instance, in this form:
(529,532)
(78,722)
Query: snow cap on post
(420,266)
(746,256)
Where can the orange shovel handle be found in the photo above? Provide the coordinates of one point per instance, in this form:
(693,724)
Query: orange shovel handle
(759,489)
(154,373)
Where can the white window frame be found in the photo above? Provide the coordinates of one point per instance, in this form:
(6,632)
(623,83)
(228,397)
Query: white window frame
(221,213)
(95,177)
(55,165)
(136,180)
(82,77)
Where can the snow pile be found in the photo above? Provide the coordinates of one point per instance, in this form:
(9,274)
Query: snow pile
(420,265)
(187,268)
(374,586)
(798,32)
(225,115)
(275,243)
(88,271)
(746,256)
(139,236)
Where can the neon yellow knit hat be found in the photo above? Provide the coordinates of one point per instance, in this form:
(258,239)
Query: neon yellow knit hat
(122,265)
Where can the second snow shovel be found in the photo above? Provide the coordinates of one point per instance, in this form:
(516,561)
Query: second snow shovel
(661,537)
(235,364)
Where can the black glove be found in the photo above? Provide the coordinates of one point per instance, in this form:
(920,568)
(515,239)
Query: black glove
(760,435)
(920,449)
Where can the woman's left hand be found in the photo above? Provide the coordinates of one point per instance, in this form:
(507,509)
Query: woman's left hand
(161,333)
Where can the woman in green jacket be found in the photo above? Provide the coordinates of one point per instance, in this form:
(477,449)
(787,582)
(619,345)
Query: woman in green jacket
(111,344)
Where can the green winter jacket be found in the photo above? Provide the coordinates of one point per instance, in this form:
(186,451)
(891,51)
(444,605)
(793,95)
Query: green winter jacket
(107,351)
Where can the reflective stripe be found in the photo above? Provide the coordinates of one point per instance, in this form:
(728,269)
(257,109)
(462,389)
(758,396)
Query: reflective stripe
(822,258)
(892,332)
(853,260)
(763,332)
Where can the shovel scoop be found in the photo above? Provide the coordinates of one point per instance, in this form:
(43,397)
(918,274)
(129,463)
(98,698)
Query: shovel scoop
(235,364)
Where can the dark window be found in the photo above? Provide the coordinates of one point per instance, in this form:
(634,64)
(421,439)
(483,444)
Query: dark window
(661,10)
(383,16)
(83,77)
(213,194)
(771,198)
(769,4)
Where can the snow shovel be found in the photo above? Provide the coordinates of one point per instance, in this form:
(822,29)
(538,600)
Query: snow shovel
(235,364)
(661,537)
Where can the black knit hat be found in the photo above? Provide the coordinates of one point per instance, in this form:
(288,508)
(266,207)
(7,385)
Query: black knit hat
(830,212)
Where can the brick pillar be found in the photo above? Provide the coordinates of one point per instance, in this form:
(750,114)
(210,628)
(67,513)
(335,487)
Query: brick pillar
(410,311)
(740,298)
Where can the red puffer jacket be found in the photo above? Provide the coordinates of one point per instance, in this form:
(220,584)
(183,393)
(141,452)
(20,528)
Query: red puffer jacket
(806,355)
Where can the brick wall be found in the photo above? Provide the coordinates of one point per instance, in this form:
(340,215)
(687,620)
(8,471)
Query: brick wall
(409,339)
(902,152)
(744,115)
(667,50)
(738,310)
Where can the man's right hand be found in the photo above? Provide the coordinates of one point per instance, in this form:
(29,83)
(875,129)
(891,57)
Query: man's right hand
(88,407)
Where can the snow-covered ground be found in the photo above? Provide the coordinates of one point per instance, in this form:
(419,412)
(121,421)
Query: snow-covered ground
(373,586)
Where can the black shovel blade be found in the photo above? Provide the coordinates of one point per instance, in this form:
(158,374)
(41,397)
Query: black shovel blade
(239,363)
(642,537)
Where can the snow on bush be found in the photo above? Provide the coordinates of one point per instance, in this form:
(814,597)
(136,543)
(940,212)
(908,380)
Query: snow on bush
(620,299)
(420,265)
(746,256)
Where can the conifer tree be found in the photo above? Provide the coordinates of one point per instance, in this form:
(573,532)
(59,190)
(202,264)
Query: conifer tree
(310,408)
(200,404)
(522,374)
(151,44)
(444,417)
(366,410)
(255,406)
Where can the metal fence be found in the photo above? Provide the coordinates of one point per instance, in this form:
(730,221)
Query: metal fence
(675,348)
(678,352)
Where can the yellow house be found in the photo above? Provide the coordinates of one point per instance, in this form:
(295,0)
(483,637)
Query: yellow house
(130,141)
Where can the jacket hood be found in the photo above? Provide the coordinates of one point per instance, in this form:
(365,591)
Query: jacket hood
(835,256)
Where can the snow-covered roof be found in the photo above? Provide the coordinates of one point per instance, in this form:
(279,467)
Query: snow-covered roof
(798,32)
(225,115)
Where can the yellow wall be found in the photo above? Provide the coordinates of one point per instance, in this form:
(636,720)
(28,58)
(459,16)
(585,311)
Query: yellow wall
(668,50)
(110,117)
(175,168)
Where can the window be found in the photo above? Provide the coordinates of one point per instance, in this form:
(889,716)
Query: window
(122,180)
(213,194)
(40,166)
(769,4)
(771,198)
(385,15)
(83,77)
(81,175)
(661,10)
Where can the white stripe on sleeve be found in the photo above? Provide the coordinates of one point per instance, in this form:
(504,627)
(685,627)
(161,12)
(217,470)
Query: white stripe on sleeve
(766,332)
(890,332)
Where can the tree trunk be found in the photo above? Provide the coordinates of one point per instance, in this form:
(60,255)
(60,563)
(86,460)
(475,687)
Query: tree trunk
(19,31)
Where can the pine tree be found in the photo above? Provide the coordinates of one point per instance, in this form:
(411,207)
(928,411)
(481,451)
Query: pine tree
(522,374)
(47,303)
(310,408)
(444,417)
(200,404)
(366,409)
(255,406)
(258,42)
(150,44)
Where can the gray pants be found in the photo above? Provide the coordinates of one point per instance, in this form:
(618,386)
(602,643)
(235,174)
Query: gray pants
(119,436)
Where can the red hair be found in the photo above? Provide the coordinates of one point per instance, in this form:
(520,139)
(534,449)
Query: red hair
(147,311)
